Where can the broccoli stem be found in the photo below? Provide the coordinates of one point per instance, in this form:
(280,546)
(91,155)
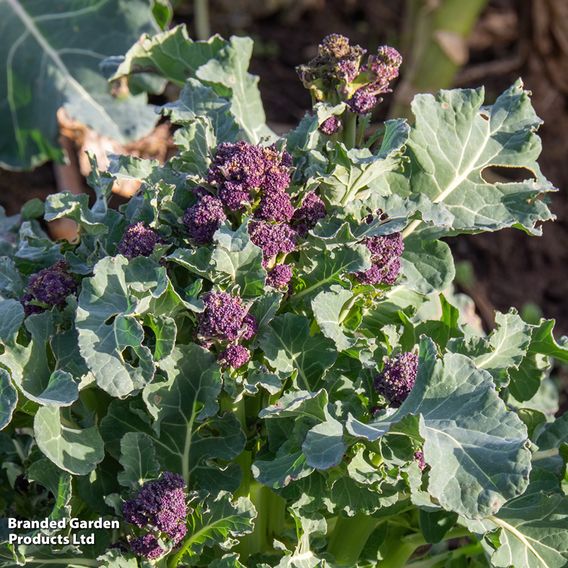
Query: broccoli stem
(349,129)
(349,537)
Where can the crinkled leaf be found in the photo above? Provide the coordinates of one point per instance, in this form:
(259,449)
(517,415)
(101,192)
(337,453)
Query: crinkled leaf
(288,346)
(71,449)
(455,140)
(327,307)
(138,458)
(476,448)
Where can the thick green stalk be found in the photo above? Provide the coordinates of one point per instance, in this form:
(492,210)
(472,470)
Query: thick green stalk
(349,538)
(349,129)
(397,550)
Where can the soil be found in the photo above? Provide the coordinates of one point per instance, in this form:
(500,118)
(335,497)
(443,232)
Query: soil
(511,268)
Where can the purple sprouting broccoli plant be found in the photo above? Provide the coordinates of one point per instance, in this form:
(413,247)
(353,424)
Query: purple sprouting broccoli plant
(47,288)
(308,214)
(138,240)
(330,125)
(385,256)
(234,356)
(160,508)
(202,219)
(279,277)
(397,378)
(272,238)
(223,318)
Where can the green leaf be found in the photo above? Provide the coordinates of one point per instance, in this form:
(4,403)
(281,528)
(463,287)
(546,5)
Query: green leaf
(228,76)
(31,368)
(71,449)
(532,531)
(356,170)
(288,346)
(57,482)
(41,46)
(327,308)
(188,436)
(138,458)
(11,320)
(288,465)
(476,448)
(216,521)
(107,325)
(11,285)
(171,54)
(236,256)
(428,266)
(455,139)
(8,398)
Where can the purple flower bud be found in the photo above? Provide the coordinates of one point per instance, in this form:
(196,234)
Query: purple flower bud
(237,169)
(273,239)
(397,378)
(330,125)
(250,327)
(50,287)
(363,101)
(223,317)
(275,206)
(147,546)
(204,218)
(234,356)
(419,457)
(347,69)
(334,45)
(277,166)
(385,255)
(310,212)
(138,240)
(279,276)
(159,506)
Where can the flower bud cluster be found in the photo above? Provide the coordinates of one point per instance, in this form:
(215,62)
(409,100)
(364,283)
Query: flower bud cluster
(160,509)
(341,72)
(47,288)
(397,378)
(226,321)
(138,240)
(385,256)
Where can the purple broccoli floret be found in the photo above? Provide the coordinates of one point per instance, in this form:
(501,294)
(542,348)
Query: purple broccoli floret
(334,45)
(277,165)
(275,206)
(160,506)
(204,218)
(385,65)
(310,212)
(250,327)
(330,125)
(234,356)
(397,378)
(363,101)
(48,287)
(279,276)
(273,239)
(223,317)
(147,546)
(385,256)
(242,168)
(419,457)
(138,240)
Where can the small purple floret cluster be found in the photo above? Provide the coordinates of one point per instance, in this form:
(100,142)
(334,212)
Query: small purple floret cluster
(385,256)
(138,240)
(340,73)
(225,320)
(48,287)
(397,378)
(330,125)
(159,507)
(204,218)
